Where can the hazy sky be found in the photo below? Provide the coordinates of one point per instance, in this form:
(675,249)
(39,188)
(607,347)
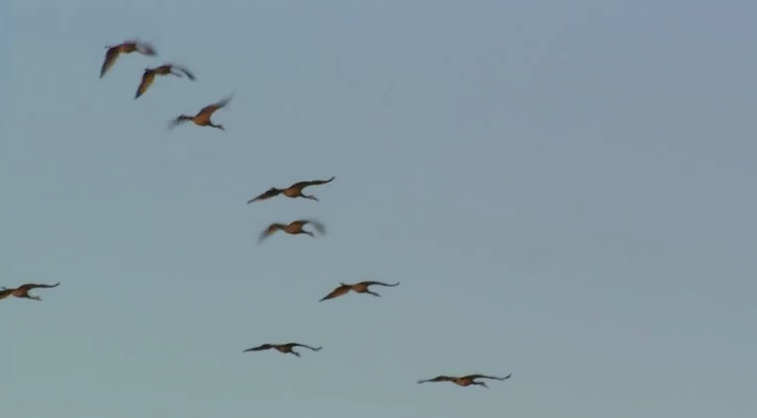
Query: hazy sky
(566,190)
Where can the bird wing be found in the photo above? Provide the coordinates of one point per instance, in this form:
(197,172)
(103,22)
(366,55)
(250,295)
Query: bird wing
(5,293)
(371,283)
(265,195)
(304,346)
(209,109)
(147,78)
(183,70)
(145,48)
(303,184)
(110,59)
(318,226)
(260,348)
(438,379)
(339,291)
(483,376)
(30,286)
(269,231)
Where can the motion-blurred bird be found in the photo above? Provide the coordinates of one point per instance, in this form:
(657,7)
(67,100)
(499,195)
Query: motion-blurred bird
(293,228)
(23,291)
(465,380)
(293,191)
(287,348)
(202,118)
(126,47)
(361,287)
(149,76)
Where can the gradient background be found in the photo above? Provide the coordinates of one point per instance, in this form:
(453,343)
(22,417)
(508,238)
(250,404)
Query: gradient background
(566,191)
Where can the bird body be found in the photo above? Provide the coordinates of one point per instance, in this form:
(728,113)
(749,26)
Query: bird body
(292,191)
(125,47)
(287,348)
(202,118)
(465,381)
(362,287)
(294,228)
(23,291)
(148,77)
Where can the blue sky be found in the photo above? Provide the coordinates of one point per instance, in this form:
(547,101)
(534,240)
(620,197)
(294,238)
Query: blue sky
(565,190)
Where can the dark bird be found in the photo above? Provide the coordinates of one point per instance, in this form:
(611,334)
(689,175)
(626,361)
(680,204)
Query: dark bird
(287,348)
(149,76)
(361,287)
(293,228)
(465,380)
(294,190)
(202,118)
(126,47)
(23,291)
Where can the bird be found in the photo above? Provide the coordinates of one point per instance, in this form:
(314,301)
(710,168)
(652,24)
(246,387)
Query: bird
(361,287)
(149,76)
(294,228)
(125,47)
(23,291)
(202,118)
(292,191)
(465,380)
(287,348)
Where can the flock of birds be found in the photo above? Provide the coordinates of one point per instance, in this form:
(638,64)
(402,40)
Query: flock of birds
(202,118)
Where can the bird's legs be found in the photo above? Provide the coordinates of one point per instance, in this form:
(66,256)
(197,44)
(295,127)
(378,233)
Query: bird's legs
(309,196)
(32,297)
(306,233)
(295,353)
(480,384)
(373,293)
(216,126)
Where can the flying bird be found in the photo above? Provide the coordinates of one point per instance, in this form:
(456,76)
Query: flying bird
(293,228)
(361,287)
(23,291)
(202,118)
(149,76)
(287,348)
(465,380)
(126,47)
(293,191)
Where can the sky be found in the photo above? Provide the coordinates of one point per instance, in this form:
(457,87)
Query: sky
(566,191)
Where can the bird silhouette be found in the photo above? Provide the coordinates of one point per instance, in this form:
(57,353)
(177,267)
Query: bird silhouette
(293,228)
(465,380)
(125,47)
(202,118)
(362,287)
(292,191)
(287,348)
(23,291)
(148,77)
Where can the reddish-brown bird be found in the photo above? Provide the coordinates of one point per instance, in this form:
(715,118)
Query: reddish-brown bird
(23,291)
(293,191)
(466,380)
(361,287)
(202,118)
(149,76)
(126,47)
(293,228)
(287,348)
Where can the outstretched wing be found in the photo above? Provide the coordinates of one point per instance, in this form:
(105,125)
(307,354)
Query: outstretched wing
(304,346)
(184,70)
(259,348)
(483,376)
(145,48)
(317,225)
(303,184)
(110,59)
(5,293)
(371,283)
(147,78)
(339,291)
(265,195)
(30,286)
(269,231)
(208,110)
(438,379)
